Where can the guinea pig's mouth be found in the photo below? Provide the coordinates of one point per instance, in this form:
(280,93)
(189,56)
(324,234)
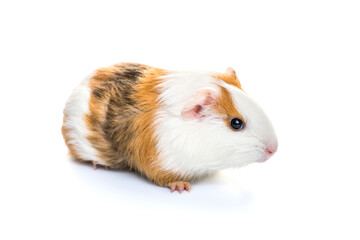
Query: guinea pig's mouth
(263,159)
(268,152)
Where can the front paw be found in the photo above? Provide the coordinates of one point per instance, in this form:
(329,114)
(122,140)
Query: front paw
(179,186)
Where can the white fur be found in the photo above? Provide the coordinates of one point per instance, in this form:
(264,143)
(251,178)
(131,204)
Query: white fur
(199,146)
(179,87)
(76,108)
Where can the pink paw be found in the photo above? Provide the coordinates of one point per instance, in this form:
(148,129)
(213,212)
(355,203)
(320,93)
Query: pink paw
(179,186)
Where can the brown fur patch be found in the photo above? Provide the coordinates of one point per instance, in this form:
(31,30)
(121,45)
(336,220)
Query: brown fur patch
(143,145)
(225,107)
(231,79)
(122,106)
(111,111)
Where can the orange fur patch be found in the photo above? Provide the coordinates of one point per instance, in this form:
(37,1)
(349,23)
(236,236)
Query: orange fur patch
(133,146)
(229,78)
(145,156)
(225,107)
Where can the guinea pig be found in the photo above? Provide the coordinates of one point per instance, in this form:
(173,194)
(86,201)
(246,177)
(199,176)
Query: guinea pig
(170,126)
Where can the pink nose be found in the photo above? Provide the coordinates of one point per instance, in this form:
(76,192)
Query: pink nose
(270,150)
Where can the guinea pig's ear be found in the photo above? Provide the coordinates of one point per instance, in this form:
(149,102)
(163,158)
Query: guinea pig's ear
(231,72)
(197,106)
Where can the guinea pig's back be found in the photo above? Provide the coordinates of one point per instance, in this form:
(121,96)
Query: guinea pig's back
(99,112)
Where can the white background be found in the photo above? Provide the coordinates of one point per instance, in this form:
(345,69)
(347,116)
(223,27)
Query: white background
(299,59)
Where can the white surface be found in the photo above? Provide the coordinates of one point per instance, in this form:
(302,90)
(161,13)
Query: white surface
(299,59)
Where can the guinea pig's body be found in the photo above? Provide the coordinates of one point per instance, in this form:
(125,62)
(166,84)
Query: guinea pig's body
(170,126)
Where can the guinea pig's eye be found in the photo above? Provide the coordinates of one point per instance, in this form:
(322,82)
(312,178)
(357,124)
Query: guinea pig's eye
(237,124)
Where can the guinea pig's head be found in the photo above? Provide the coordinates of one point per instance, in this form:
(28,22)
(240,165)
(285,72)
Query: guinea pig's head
(240,128)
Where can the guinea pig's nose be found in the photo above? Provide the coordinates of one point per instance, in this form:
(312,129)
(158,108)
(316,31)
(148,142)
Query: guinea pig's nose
(271,149)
